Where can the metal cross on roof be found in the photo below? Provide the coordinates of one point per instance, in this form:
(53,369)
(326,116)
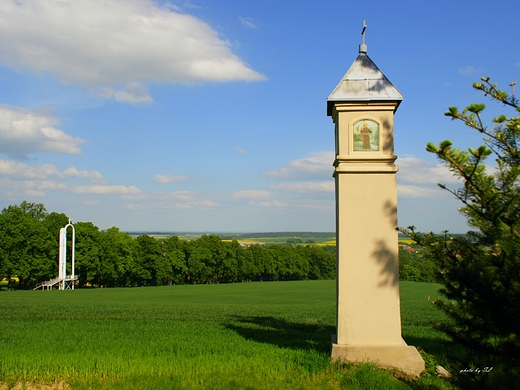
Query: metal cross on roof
(363,47)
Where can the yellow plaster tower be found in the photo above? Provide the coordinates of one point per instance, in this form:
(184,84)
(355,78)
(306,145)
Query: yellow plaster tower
(362,107)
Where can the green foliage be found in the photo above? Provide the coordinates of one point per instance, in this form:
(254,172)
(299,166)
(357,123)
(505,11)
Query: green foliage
(414,267)
(89,266)
(25,244)
(480,273)
(111,258)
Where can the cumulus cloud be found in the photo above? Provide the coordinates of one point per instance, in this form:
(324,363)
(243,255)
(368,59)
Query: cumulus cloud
(411,191)
(14,188)
(203,203)
(177,195)
(93,176)
(305,187)
(21,171)
(96,43)
(419,178)
(106,190)
(252,194)
(318,166)
(270,204)
(24,131)
(417,171)
(247,22)
(21,179)
(470,71)
(168,179)
(9,168)
(177,200)
(133,93)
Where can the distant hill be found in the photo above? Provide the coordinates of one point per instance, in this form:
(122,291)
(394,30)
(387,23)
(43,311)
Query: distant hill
(239,236)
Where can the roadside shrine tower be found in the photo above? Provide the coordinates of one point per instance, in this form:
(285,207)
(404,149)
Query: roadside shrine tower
(362,107)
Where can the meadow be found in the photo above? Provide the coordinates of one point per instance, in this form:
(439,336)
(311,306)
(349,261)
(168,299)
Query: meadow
(264,335)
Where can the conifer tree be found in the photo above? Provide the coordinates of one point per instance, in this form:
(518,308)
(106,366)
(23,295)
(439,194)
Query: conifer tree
(480,272)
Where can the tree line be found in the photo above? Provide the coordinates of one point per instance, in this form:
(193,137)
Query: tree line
(111,258)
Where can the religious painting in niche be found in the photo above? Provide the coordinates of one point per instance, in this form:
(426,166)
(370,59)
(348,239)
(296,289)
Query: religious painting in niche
(366,136)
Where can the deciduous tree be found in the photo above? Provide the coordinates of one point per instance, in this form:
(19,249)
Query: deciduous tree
(27,250)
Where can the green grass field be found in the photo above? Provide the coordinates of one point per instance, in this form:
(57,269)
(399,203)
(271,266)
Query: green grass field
(273,335)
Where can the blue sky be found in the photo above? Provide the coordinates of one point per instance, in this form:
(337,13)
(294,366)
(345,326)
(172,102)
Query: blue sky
(211,115)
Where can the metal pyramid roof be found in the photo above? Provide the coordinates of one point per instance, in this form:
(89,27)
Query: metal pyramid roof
(363,82)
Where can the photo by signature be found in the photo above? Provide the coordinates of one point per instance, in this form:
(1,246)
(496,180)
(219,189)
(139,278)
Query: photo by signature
(476,370)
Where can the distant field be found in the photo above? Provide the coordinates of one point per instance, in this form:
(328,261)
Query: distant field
(283,240)
(267,238)
(270,335)
(251,238)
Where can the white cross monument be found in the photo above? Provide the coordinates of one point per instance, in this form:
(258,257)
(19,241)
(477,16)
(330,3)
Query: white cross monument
(66,281)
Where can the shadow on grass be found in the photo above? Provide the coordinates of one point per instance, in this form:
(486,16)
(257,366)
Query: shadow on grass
(301,336)
(283,333)
(436,351)
(444,352)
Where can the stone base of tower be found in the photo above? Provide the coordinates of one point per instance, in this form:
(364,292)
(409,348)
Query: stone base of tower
(402,357)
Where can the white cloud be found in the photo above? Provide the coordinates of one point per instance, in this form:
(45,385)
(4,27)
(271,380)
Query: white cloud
(24,188)
(196,204)
(410,191)
(318,166)
(176,200)
(21,171)
(252,194)
(20,179)
(247,22)
(416,178)
(34,193)
(167,179)
(133,93)
(240,150)
(309,204)
(271,204)
(306,187)
(9,168)
(106,190)
(93,176)
(179,195)
(96,43)
(50,185)
(24,131)
(419,178)
(417,171)
(186,4)
(470,71)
